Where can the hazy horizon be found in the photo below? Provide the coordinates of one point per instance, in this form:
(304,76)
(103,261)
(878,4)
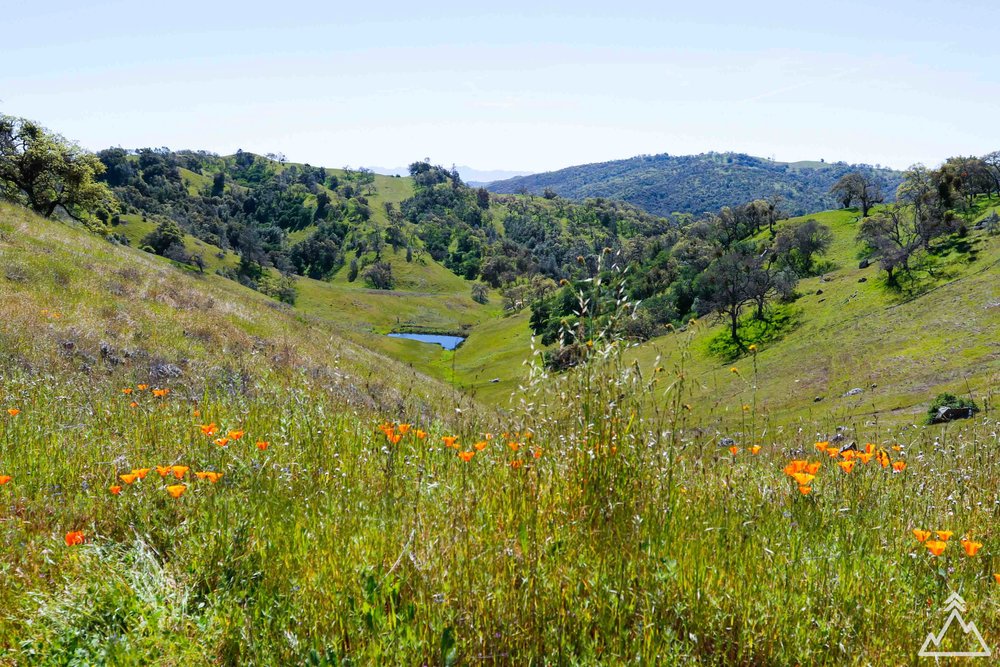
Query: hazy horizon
(519,89)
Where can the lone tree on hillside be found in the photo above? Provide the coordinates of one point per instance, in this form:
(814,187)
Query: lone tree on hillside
(859,187)
(45,172)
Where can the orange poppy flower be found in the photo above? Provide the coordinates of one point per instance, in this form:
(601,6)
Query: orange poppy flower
(163,470)
(833,452)
(179,471)
(127,390)
(897,448)
(213,477)
(196,413)
(944,535)
(4,479)
(869,448)
(812,468)
(74,537)
(734,450)
(209,429)
(797,465)
(480,446)
(449,440)
(421,434)
(899,466)
(996,577)
(936,547)
(262,444)
(846,466)
(882,458)
(848,454)
(221,442)
(755,450)
(921,535)
(176,490)
(128,478)
(115,489)
(160,393)
(235,435)
(142,387)
(141,472)
(516,463)
(514,446)
(404,428)
(821,446)
(133,404)
(866,458)
(394,438)
(13,412)
(537,452)
(528,435)
(971,548)
(466,456)
(803,478)
(805,490)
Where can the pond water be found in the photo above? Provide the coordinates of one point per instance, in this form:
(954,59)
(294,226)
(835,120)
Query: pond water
(447,342)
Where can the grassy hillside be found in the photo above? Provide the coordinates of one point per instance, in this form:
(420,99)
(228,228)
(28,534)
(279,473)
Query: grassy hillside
(665,184)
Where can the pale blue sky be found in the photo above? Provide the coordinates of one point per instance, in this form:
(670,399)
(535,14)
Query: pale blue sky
(510,85)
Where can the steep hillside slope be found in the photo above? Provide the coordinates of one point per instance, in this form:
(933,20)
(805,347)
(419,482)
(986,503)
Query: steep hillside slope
(665,184)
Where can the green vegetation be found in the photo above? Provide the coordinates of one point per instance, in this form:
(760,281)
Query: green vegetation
(667,184)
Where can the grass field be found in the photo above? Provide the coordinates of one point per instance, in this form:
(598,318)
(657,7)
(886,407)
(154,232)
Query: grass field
(599,517)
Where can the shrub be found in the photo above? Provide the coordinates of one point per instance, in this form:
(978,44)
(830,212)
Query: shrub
(947,400)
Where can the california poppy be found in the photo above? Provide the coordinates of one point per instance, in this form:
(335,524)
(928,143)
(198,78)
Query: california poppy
(449,440)
(897,448)
(936,547)
(848,454)
(115,489)
(514,446)
(209,429)
(421,434)
(221,442)
(803,478)
(160,393)
(179,471)
(176,490)
(404,428)
(971,547)
(812,468)
(13,412)
(869,448)
(213,477)
(755,450)
(944,535)
(734,450)
(866,457)
(128,478)
(133,404)
(466,456)
(516,463)
(921,535)
(127,390)
(805,490)
(480,446)
(5,479)
(235,435)
(262,444)
(394,438)
(141,472)
(821,446)
(74,537)
(798,465)
(846,466)
(996,577)
(163,470)
(882,458)
(142,387)
(899,466)
(833,452)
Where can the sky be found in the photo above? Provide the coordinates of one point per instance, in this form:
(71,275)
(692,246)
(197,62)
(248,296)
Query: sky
(511,85)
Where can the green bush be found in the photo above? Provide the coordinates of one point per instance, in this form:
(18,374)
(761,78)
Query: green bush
(949,401)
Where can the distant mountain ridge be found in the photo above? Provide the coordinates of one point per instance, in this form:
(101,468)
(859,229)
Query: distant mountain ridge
(664,184)
(470,175)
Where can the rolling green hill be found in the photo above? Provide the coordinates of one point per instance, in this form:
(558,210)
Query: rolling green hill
(666,184)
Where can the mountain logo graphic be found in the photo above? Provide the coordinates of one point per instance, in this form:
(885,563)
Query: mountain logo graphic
(956,605)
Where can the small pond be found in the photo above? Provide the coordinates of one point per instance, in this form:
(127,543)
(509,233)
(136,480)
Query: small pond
(447,342)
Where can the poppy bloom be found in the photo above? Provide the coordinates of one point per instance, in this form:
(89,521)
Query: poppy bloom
(882,458)
(936,547)
(133,404)
(466,456)
(805,490)
(869,448)
(921,535)
(899,466)
(421,434)
(209,429)
(734,450)
(262,444)
(394,438)
(13,412)
(803,478)
(944,535)
(833,452)
(142,387)
(176,490)
(537,452)
(74,537)
(755,450)
(4,479)
(734,370)
(971,548)
(235,435)
(812,468)
(163,471)
(221,442)
(821,446)
(127,390)
(179,471)
(480,446)
(141,472)
(404,428)
(846,466)
(449,440)
(996,578)
(865,458)
(797,465)
(213,477)
(897,448)
(115,489)
(516,463)
(160,393)
(128,478)
(514,446)
(196,413)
